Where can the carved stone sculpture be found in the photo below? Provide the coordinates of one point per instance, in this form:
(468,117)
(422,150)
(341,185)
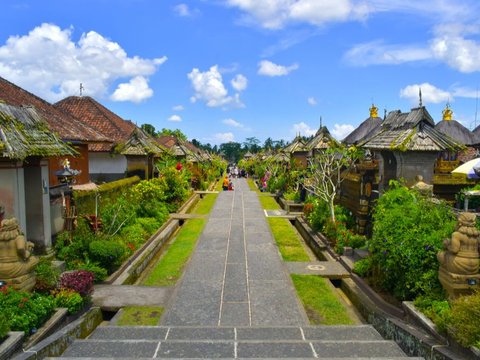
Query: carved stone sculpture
(16,260)
(459,261)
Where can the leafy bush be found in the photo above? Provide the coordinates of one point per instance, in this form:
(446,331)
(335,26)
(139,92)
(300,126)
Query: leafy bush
(436,308)
(150,224)
(68,298)
(26,312)
(464,322)
(4,325)
(46,276)
(362,267)
(107,253)
(99,273)
(80,281)
(408,231)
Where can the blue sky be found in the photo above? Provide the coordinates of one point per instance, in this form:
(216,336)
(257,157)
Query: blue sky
(225,70)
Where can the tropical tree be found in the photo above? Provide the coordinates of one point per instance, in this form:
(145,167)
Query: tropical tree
(327,170)
(149,129)
(177,133)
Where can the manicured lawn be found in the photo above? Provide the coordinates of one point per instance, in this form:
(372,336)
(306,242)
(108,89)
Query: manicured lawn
(321,304)
(205,205)
(252,186)
(140,316)
(170,266)
(268,202)
(288,240)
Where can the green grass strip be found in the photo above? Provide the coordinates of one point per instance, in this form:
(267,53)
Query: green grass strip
(269,202)
(140,316)
(170,266)
(288,240)
(205,205)
(321,304)
(252,186)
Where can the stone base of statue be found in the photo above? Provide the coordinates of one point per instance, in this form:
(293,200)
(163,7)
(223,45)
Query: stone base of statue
(22,283)
(457,284)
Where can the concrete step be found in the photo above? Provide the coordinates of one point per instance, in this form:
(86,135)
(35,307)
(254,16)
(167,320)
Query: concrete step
(215,349)
(297,358)
(305,333)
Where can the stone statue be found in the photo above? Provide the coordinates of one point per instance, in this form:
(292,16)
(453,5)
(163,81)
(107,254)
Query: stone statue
(459,261)
(422,187)
(16,260)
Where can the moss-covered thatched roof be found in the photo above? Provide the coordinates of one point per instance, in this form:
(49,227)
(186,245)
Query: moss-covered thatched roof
(24,133)
(139,143)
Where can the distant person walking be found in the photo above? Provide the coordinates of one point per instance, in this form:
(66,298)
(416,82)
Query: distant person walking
(226,182)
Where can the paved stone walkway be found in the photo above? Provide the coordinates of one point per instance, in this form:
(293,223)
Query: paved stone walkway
(236,276)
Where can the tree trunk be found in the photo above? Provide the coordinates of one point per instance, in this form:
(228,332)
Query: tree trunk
(331,205)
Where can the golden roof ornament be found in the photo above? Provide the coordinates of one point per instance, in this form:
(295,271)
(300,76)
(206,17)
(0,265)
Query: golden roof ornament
(373,111)
(447,112)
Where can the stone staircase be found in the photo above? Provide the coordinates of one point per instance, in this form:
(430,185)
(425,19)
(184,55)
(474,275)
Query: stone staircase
(306,342)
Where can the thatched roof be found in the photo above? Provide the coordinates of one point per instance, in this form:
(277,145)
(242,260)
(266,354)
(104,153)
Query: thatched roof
(412,131)
(296,145)
(367,129)
(458,132)
(139,144)
(24,133)
(321,140)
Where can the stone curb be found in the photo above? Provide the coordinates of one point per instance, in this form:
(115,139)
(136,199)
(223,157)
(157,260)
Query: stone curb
(11,344)
(56,344)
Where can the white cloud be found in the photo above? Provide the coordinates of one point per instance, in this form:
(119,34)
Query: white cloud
(239,82)
(449,45)
(340,131)
(175,118)
(231,122)
(209,87)
(178,108)
(303,129)
(224,137)
(276,14)
(268,68)
(312,101)
(184,11)
(430,94)
(50,64)
(136,90)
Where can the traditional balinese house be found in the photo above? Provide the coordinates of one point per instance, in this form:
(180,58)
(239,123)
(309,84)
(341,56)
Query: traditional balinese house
(297,151)
(408,145)
(66,126)
(131,152)
(25,146)
(320,142)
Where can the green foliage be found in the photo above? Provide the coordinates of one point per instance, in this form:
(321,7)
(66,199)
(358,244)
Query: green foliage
(408,231)
(107,253)
(151,224)
(436,308)
(362,267)
(99,273)
(26,312)
(68,298)
(464,322)
(4,325)
(473,201)
(46,276)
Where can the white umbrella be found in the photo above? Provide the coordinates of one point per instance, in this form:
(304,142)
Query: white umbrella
(471,169)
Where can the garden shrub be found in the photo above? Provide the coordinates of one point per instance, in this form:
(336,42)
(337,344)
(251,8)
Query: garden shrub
(134,236)
(68,298)
(149,224)
(408,231)
(436,309)
(107,253)
(464,322)
(46,276)
(4,325)
(80,281)
(362,267)
(26,312)
(99,273)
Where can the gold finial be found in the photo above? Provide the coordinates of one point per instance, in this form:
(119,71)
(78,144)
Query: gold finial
(373,111)
(447,112)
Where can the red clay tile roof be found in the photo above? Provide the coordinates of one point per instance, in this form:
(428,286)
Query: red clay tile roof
(98,117)
(65,125)
(166,140)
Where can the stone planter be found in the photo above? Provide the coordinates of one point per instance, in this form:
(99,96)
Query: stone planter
(11,344)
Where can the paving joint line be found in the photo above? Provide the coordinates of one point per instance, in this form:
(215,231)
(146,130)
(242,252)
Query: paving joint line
(315,355)
(246,264)
(226,262)
(157,350)
(303,334)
